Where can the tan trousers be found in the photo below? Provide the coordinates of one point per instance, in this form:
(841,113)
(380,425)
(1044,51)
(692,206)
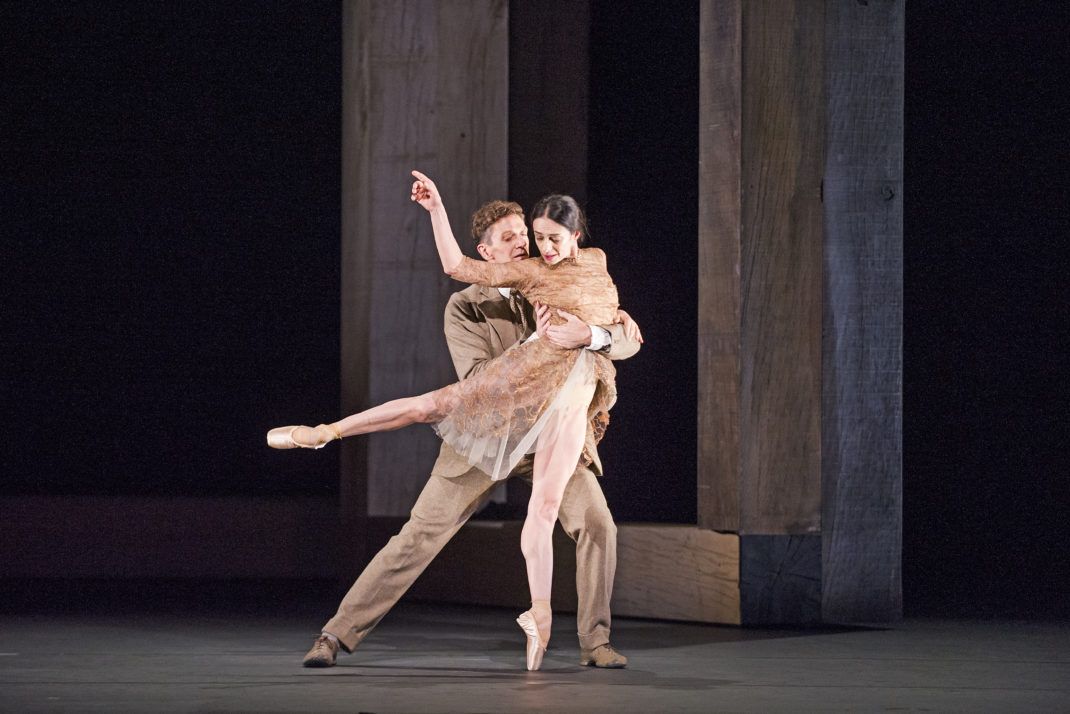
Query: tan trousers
(444,505)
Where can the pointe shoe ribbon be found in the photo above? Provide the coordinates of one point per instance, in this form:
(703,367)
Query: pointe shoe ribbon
(283,437)
(536,645)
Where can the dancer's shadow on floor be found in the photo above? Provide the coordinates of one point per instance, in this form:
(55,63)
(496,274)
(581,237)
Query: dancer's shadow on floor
(552,674)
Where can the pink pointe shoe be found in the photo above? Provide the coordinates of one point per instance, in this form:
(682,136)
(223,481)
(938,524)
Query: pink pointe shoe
(283,437)
(536,645)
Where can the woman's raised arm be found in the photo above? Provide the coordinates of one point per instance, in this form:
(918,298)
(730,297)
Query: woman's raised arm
(426,194)
(454,262)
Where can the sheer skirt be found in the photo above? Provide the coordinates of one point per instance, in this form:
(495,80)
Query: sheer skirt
(495,417)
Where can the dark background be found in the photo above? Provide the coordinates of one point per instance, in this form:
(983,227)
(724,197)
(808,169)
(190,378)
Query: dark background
(986,500)
(171,219)
(169,206)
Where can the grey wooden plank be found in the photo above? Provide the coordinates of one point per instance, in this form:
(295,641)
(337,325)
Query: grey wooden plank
(863,336)
(780,579)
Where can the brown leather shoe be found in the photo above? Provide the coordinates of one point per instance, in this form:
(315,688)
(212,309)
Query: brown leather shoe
(603,656)
(323,654)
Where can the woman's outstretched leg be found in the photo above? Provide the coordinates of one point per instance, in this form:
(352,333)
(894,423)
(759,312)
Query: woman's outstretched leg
(384,417)
(555,462)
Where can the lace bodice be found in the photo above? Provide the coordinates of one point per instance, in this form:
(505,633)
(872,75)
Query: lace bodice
(581,286)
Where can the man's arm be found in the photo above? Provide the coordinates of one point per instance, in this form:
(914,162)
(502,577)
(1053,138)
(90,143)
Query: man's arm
(621,346)
(574,333)
(632,335)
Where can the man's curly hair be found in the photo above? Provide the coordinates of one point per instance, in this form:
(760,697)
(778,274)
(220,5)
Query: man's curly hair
(489,214)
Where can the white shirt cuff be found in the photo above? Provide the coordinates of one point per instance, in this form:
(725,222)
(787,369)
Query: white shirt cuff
(600,338)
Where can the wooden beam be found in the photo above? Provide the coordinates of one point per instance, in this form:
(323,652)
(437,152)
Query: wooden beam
(780,579)
(677,573)
(760,235)
(663,571)
(800,303)
(426,88)
(783,142)
(862,349)
(356,272)
(719,220)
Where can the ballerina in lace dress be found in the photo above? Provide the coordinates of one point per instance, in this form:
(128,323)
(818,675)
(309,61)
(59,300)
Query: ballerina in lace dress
(535,397)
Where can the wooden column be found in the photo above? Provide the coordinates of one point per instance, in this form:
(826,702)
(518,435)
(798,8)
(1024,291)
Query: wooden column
(425,87)
(762,114)
(720,216)
(768,120)
(861,423)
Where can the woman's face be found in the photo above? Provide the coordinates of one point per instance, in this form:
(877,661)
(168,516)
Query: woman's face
(555,242)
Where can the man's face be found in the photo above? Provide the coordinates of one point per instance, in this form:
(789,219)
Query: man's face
(507,241)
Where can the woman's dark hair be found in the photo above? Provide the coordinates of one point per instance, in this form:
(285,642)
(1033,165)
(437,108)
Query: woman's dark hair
(563,210)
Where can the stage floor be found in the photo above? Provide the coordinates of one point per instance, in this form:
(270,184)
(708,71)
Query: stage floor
(426,658)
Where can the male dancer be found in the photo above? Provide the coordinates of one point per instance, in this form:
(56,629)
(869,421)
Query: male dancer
(480,324)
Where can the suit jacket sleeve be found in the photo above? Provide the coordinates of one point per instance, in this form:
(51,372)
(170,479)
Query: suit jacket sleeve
(621,347)
(466,337)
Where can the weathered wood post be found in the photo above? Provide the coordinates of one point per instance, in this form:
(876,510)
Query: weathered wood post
(425,85)
(800,302)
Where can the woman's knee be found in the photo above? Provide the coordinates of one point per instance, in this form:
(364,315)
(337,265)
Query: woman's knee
(544,507)
(423,409)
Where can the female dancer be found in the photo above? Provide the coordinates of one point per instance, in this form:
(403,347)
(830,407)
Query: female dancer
(534,397)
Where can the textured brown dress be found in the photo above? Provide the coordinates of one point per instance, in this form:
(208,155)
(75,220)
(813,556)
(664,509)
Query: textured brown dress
(497,416)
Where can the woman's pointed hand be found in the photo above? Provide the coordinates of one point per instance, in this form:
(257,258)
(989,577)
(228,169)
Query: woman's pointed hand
(425,192)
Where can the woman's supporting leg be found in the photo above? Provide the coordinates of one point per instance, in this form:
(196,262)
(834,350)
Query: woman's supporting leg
(384,417)
(555,462)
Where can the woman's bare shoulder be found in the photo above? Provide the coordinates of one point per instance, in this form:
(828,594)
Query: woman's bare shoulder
(595,253)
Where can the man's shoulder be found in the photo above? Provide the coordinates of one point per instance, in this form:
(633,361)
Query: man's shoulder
(471,297)
(471,294)
(467,305)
